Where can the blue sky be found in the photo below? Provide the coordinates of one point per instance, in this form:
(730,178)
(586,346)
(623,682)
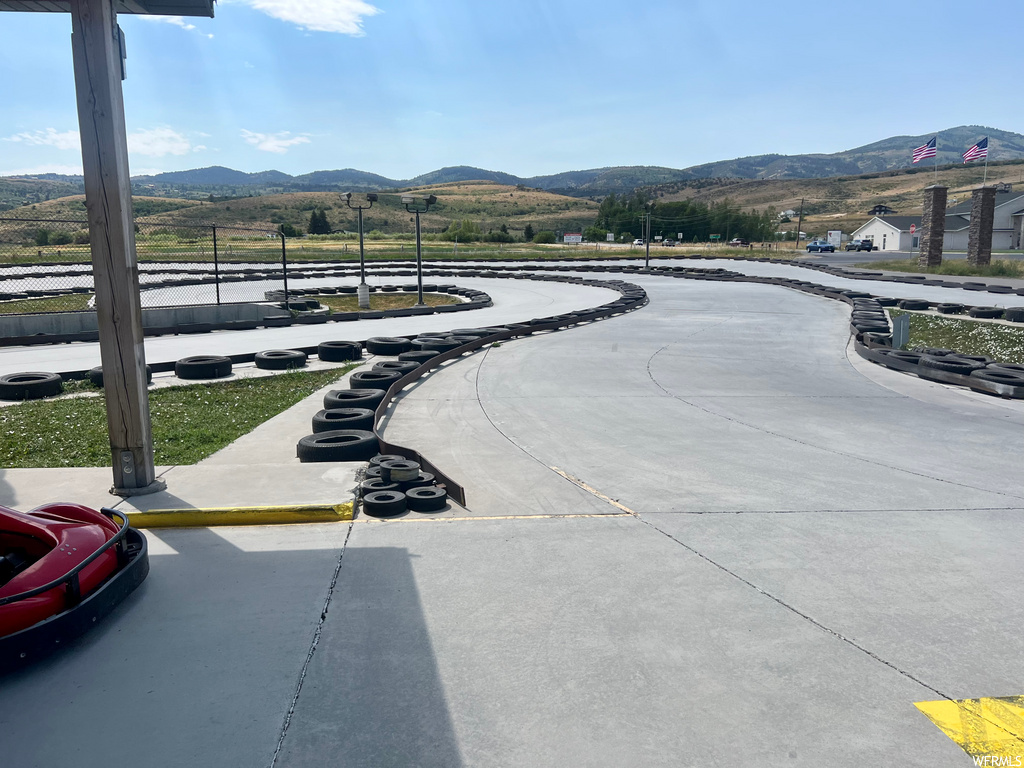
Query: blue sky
(402,87)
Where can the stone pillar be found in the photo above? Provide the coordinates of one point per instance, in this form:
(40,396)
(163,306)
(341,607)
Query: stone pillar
(933,226)
(979,238)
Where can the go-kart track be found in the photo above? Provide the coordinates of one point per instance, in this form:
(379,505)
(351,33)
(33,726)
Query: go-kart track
(704,532)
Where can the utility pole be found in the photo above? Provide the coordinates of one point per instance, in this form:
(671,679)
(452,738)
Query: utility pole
(800,224)
(647,243)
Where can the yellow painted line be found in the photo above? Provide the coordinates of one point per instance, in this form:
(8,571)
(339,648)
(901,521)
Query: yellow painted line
(989,730)
(203,518)
(468,518)
(579,483)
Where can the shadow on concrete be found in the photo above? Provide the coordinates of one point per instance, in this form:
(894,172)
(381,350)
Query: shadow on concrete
(373,694)
(201,664)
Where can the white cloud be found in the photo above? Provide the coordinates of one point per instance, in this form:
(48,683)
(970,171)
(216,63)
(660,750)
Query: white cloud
(157,142)
(65,170)
(175,20)
(273,142)
(342,16)
(50,138)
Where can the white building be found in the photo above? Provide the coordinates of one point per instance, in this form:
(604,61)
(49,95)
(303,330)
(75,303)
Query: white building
(892,233)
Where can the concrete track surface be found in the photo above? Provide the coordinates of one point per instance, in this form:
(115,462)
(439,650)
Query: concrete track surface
(698,534)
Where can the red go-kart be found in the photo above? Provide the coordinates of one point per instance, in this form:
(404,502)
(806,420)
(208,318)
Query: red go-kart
(63,567)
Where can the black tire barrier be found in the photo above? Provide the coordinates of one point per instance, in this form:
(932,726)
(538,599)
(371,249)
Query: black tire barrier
(399,471)
(440,345)
(95,376)
(332,419)
(950,309)
(280,359)
(398,366)
(385,345)
(1011,367)
(423,479)
(983,359)
(384,503)
(933,351)
(426,499)
(986,312)
(30,385)
(918,304)
(203,367)
(373,379)
(476,332)
(418,356)
(373,473)
(949,364)
(376,484)
(379,459)
(339,351)
(338,445)
(995,382)
(354,398)
(1014,314)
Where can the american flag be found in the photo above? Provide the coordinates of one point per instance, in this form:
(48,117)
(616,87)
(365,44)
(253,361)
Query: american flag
(928,150)
(978,152)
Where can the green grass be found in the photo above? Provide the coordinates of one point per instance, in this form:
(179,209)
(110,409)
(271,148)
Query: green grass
(381,301)
(189,422)
(998,268)
(74,302)
(971,337)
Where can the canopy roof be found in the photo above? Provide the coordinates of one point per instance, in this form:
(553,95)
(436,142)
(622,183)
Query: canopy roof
(155,7)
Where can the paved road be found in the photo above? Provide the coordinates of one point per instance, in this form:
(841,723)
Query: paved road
(809,552)
(697,534)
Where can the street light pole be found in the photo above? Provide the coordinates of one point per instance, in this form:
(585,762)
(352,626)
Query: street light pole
(364,289)
(412,205)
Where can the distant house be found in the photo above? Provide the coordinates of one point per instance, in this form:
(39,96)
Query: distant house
(882,210)
(1008,226)
(892,233)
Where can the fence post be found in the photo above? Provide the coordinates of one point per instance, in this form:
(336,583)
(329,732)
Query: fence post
(284,268)
(216,265)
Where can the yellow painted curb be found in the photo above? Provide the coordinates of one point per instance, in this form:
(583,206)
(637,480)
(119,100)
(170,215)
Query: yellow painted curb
(203,518)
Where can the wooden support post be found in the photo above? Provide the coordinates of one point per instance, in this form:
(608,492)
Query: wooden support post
(96,47)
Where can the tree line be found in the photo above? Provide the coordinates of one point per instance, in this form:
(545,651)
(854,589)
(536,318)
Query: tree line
(687,220)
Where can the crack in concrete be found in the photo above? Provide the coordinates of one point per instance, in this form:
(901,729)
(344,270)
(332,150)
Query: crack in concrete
(312,650)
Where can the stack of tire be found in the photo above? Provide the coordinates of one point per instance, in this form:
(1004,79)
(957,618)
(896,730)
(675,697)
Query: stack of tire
(395,485)
(869,321)
(344,429)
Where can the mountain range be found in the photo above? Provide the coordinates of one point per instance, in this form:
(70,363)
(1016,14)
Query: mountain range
(885,155)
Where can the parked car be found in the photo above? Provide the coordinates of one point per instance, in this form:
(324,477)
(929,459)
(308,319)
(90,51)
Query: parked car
(670,243)
(738,242)
(638,241)
(820,246)
(860,245)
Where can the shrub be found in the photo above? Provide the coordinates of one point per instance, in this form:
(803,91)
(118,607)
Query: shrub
(42,237)
(545,236)
(61,238)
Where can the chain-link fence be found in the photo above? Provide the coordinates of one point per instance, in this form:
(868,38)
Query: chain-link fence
(45,265)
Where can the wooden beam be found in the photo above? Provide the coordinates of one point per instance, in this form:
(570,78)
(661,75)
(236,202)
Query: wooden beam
(97,57)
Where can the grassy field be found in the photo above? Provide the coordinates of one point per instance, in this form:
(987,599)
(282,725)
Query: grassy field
(189,422)
(72,303)
(998,267)
(971,337)
(381,301)
(843,202)
(165,246)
